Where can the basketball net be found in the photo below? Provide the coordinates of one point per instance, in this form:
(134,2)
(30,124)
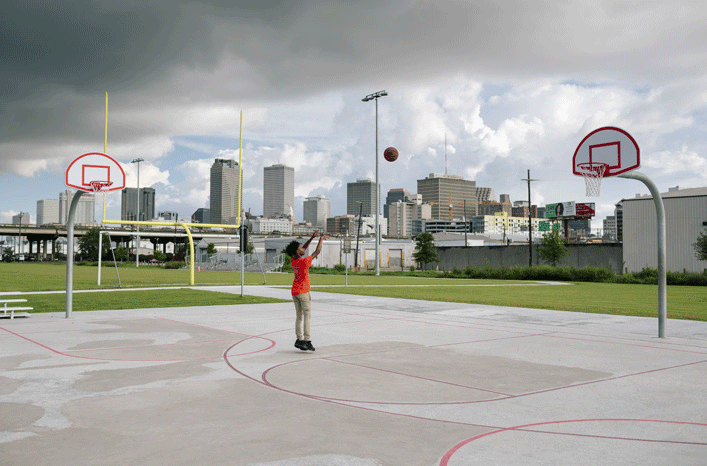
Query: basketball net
(100,186)
(592,172)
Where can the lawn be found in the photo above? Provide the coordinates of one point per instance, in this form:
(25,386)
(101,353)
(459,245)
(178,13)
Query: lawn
(684,302)
(139,299)
(43,276)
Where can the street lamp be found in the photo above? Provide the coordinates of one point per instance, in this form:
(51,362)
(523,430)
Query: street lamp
(368,98)
(358,233)
(137,214)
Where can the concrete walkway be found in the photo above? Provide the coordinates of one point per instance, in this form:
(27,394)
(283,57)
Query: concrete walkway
(392,382)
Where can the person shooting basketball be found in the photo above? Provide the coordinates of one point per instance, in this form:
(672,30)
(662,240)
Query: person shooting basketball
(301,288)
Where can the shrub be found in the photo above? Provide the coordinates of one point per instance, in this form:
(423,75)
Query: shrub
(340,268)
(175,265)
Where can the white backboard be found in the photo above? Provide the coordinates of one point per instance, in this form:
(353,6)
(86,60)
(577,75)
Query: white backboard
(95,166)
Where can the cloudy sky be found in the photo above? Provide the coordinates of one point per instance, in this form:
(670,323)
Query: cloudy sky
(514,85)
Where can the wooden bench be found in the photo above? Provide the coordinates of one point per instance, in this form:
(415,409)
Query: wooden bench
(12,309)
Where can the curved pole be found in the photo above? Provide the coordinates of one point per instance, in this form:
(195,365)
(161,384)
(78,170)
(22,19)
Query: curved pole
(70,253)
(662,278)
(191,253)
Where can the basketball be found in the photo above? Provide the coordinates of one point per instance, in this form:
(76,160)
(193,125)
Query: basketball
(391,154)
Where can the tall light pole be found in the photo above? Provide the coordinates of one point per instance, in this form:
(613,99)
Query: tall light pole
(137,213)
(368,98)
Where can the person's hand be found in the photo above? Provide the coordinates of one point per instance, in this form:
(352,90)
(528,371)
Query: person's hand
(314,235)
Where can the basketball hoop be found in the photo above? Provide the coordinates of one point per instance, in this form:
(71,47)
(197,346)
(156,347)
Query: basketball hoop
(592,172)
(99,186)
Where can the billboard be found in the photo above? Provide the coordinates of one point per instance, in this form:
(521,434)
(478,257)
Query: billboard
(570,209)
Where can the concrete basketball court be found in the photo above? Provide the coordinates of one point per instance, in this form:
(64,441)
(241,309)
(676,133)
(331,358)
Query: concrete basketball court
(392,382)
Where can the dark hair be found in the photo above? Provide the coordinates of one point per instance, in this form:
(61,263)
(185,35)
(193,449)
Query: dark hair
(291,249)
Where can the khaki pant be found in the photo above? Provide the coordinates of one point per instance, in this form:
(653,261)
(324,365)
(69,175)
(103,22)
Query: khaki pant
(303,306)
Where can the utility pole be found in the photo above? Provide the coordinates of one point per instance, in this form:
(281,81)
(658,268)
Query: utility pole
(530,222)
(466,225)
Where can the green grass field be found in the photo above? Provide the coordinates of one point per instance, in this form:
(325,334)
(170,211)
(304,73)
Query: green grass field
(139,299)
(684,302)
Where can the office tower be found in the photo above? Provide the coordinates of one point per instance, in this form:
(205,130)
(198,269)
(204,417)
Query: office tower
(485,194)
(201,215)
(47,211)
(85,210)
(128,204)
(316,210)
(278,191)
(403,215)
(362,192)
(438,190)
(395,195)
(223,199)
(21,219)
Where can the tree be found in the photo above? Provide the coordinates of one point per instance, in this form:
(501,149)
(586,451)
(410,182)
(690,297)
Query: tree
(88,245)
(701,247)
(249,249)
(553,247)
(7,254)
(425,251)
(121,253)
(211,249)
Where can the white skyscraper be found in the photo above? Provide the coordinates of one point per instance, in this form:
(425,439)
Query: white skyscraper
(316,210)
(278,191)
(47,211)
(223,201)
(85,210)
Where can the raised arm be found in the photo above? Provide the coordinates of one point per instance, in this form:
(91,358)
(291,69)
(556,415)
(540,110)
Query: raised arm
(319,246)
(306,244)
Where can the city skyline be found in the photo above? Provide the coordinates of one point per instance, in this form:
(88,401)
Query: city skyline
(360,189)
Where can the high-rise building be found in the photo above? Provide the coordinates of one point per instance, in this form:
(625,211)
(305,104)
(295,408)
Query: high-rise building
(403,216)
(278,191)
(362,192)
(485,194)
(85,210)
(128,204)
(439,190)
(21,219)
(395,195)
(223,197)
(316,210)
(201,215)
(47,211)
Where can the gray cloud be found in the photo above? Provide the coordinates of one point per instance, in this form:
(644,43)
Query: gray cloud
(473,69)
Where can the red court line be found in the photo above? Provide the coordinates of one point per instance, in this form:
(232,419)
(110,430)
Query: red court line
(133,360)
(418,377)
(524,428)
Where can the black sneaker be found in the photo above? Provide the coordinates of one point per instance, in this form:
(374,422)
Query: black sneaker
(308,345)
(301,344)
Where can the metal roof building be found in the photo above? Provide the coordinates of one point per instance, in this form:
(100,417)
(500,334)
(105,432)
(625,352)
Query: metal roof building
(685,218)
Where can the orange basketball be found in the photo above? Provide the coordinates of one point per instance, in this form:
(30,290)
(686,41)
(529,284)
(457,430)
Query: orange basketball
(391,154)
